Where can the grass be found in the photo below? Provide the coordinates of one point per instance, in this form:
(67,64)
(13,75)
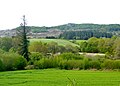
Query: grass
(55,77)
(79,41)
(59,41)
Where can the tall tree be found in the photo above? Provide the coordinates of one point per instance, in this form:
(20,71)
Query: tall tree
(22,35)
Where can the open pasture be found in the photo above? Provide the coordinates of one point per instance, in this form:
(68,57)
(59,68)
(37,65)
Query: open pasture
(61,42)
(55,77)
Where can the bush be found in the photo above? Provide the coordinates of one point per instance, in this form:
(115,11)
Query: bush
(35,56)
(38,46)
(70,56)
(107,64)
(39,64)
(116,64)
(12,61)
(1,65)
(94,64)
(71,64)
(2,51)
(20,63)
(47,63)
(86,63)
(111,64)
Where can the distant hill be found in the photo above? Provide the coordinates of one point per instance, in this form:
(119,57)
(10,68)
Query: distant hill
(72,26)
(56,31)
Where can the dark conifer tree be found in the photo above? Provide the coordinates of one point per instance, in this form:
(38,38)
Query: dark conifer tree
(23,42)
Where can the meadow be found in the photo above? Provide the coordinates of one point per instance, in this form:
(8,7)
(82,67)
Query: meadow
(56,77)
(61,42)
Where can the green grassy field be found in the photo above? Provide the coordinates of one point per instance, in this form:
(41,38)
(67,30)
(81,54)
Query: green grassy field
(59,41)
(54,77)
(79,41)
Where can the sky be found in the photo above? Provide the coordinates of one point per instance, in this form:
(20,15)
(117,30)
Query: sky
(58,12)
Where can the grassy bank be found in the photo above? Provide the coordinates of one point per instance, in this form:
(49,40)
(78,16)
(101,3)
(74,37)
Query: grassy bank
(59,41)
(54,77)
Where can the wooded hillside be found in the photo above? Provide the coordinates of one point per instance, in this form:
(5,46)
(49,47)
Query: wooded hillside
(89,30)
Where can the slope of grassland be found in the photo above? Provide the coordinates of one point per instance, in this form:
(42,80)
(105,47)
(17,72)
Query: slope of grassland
(54,77)
(59,41)
(79,41)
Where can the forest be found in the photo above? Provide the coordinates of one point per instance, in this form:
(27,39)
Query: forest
(85,35)
(72,26)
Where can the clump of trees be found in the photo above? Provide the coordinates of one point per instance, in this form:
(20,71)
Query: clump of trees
(51,48)
(109,46)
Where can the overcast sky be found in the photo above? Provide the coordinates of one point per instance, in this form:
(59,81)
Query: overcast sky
(58,12)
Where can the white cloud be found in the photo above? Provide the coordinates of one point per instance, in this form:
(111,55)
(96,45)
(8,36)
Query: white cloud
(56,12)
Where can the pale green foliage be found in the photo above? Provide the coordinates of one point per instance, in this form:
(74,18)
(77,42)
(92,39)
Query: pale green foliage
(1,65)
(35,56)
(38,47)
(116,47)
(6,43)
(109,46)
(12,61)
(53,47)
(111,64)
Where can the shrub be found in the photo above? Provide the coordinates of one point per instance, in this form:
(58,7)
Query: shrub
(1,65)
(39,64)
(116,64)
(70,56)
(111,64)
(85,63)
(38,46)
(8,62)
(12,61)
(70,48)
(47,63)
(71,64)
(35,56)
(94,64)
(107,64)
(2,51)
(20,62)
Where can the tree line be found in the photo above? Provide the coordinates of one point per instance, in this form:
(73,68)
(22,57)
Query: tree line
(109,46)
(72,26)
(84,35)
(13,45)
